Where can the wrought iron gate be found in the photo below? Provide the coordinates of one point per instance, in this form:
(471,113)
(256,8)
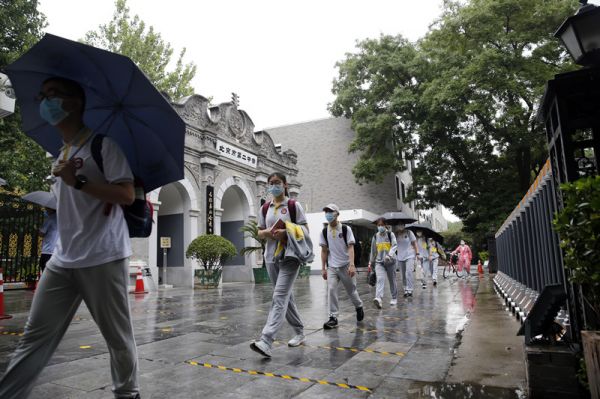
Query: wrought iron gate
(20,243)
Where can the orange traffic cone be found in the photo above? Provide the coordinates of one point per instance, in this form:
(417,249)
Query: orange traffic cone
(479,267)
(2,315)
(139,283)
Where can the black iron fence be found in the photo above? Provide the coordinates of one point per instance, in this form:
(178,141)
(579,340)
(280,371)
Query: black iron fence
(528,251)
(20,243)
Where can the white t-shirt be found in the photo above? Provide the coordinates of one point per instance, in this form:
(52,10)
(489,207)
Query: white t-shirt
(86,235)
(405,249)
(273,214)
(337,249)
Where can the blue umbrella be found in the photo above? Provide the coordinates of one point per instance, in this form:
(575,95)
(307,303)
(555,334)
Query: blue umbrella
(120,103)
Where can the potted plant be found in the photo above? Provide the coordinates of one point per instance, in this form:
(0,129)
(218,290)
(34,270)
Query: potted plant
(304,271)
(211,252)
(578,225)
(251,230)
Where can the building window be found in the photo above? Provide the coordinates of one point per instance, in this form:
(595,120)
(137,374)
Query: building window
(398,188)
(403,190)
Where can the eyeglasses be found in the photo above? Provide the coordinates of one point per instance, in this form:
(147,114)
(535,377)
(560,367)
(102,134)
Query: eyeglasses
(52,93)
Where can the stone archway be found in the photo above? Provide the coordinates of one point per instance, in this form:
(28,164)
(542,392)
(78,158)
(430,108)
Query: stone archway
(175,216)
(234,207)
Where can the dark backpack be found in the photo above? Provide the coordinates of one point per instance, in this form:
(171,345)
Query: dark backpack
(344,233)
(291,207)
(137,215)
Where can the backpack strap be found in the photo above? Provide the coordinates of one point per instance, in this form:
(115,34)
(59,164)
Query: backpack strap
(96,148)
(265,209)
(345,234)
(292,209)
(389,236)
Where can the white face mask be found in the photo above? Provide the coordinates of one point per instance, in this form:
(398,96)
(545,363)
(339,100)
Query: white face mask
(462,243)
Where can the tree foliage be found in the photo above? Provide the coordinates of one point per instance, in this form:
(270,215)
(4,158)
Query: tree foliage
(23,163)
(578,225)
(461,101)
(131,37)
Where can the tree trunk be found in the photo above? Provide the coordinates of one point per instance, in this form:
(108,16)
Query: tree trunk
(523,159)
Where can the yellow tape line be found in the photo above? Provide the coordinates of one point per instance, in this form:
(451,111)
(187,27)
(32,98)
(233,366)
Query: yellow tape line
(346,348)
(12,333)
(282,376)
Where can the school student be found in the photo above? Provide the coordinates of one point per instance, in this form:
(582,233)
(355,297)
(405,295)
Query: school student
(406,253)
(424,255)
(433,258)
(337,260)
(282,271)
(383,251)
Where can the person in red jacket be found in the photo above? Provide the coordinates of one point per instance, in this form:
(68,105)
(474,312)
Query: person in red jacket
(464,257)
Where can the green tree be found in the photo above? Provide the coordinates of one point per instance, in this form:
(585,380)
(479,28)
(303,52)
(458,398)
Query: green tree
(131,37)
(23,163)
(461,102)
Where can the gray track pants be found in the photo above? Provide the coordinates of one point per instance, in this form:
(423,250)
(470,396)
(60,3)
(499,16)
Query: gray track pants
(103,288)
(433,268)
(381,271)
(282,276)
(406,271)
(335,275)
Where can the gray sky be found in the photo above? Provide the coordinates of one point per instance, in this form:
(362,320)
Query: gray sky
(278,56)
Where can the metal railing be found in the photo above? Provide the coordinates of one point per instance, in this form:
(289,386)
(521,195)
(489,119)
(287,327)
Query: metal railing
(20,243)
(528,250)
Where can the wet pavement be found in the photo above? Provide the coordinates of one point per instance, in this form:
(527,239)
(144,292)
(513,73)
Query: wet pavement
(195,343)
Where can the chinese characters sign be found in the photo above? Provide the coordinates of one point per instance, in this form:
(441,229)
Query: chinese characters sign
(210,208)
(234,153)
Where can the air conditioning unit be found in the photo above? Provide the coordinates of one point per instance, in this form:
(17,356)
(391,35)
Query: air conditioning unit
(7,97)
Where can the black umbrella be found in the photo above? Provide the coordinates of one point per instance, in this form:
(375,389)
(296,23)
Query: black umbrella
(427,231)
(393,218)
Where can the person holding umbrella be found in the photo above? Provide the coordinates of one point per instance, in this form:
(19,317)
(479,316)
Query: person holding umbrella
(424,255)
(90,259)
(383,251)
(433,257)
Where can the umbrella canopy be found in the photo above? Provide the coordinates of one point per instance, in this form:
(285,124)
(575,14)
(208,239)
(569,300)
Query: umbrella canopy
(43,198)
(393,218)
(120,103)
(427,231)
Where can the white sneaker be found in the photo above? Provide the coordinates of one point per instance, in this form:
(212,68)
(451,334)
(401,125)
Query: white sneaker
(377,303)
(297,340)
(261,347)
(394,302)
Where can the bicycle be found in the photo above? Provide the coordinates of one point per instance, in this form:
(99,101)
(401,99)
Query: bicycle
(452,267)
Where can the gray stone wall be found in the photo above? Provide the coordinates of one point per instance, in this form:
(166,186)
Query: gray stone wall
(325,167)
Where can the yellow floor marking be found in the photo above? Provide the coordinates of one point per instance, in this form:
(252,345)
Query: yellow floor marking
(85,347)
(282,376)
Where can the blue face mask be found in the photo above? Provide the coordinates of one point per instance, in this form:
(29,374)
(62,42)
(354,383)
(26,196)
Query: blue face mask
(381,229)
(276,190)
(51,110)
(330,216)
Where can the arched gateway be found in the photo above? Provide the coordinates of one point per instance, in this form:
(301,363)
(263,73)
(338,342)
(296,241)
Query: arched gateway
(226,168)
